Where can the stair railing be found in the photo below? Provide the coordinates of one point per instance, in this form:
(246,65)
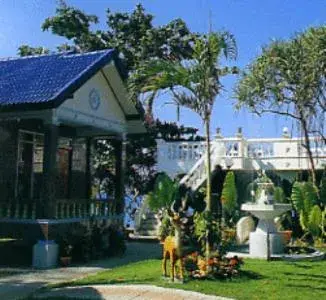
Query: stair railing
(197,174)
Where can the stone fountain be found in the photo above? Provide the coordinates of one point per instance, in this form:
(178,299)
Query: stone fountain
(265,241)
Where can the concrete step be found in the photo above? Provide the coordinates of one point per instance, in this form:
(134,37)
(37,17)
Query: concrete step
(151,215)
(150,224)
(143,238)
(150,218)
(148,229)
(146,232)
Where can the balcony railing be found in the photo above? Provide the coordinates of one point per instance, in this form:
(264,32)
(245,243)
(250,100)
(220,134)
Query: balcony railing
(279,153)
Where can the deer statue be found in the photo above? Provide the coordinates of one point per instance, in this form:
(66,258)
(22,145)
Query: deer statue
(172,248)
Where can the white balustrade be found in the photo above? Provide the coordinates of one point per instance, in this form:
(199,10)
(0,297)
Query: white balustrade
(197,174)
(283,153)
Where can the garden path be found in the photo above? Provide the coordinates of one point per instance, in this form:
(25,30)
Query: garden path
(22,282)
(126,292)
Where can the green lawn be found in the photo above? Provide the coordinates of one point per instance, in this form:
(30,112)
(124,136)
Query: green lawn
(259,280)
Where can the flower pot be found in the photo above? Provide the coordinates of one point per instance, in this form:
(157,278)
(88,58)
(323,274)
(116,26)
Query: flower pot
(65,261)
(287,234)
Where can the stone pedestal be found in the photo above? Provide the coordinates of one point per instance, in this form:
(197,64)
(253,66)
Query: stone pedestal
(45,255)
(258,244)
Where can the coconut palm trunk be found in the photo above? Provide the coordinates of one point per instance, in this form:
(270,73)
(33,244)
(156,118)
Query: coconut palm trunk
(208,182)
(208,166)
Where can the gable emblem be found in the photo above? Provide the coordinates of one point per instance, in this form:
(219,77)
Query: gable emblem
(94,99)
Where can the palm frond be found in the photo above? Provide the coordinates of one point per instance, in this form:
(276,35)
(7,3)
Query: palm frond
(194,83)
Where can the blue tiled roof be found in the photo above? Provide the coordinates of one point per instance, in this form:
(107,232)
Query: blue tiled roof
(47,80)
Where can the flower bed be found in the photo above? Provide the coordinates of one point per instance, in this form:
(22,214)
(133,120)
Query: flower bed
(215,267)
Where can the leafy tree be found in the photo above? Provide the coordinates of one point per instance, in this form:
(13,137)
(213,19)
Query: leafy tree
(229,196)
(288,79)
(314,40)
(141,160)
(194,83)
(25,50)
(74,24)
(172,132)
(133,35)
(138,40)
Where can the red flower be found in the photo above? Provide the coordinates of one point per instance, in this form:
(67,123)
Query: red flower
(194,254)
(233,261)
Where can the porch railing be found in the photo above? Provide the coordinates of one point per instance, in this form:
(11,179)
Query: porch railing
(63,209)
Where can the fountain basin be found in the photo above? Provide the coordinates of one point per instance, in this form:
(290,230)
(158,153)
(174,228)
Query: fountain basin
(266,241)
(266,211)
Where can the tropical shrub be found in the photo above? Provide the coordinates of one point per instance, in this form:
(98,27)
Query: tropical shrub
(164,193)
(315,221)
(308,205)
(93,242)
(304,196)
(166,227)
(206,229)
(229,198)
(279,196)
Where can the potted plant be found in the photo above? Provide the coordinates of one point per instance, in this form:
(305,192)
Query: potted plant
(65,253)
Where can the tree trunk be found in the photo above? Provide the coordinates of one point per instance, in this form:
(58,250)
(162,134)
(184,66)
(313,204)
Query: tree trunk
(308,147)
(149,107)
(208,183)
(208,167)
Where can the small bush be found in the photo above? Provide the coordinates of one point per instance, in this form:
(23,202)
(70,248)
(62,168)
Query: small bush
(93,242)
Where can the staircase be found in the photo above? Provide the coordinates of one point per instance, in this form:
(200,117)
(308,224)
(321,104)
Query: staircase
(197,174)
(146,225)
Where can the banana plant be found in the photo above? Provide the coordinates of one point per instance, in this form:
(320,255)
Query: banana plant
(315,221)
(305,200)
(164,193)
(323,223)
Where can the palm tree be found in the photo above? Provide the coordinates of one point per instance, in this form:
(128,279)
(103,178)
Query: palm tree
(194,83)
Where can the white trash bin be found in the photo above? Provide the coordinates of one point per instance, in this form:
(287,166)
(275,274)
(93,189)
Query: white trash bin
(45,254)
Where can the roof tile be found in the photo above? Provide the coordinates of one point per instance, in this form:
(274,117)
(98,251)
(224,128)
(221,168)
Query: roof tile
(47,78)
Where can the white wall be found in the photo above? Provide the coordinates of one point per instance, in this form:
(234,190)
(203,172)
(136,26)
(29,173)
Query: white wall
(78,111)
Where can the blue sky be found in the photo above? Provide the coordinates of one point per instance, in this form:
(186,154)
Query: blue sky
(253,22)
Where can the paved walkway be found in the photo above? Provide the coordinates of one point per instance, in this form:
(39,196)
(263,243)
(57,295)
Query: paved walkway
(126,292)
(24,282)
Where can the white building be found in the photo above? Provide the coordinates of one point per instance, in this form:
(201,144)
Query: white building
(283,154)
